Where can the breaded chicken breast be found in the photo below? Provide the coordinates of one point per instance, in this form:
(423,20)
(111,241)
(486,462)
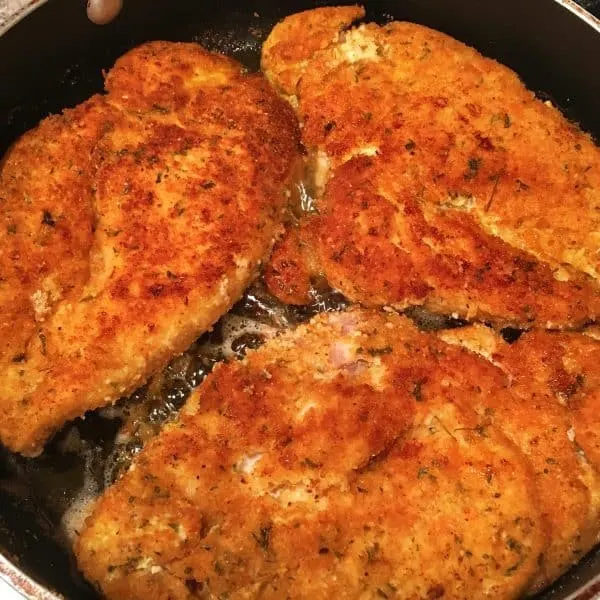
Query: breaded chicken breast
(544,429)
(183,170)
(340,460)
(46,220)
(440,180)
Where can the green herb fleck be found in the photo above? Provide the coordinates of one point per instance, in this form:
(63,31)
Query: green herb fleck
(417,390)
(160,109)
(473,165)
(380,351)
(219,568)
(263,537)
(42,339)
(373,553)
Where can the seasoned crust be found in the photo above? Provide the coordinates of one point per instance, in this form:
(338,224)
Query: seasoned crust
(543,428)
(565,368)
(293,42)
(455,140)
(339,460)
(46,219)
(379,246)
(188,179)
(288,272)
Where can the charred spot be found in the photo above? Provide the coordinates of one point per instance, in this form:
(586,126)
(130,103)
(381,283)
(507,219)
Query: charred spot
(435,591)
(525,264)
(510,334)
(474,109)
(566,385)
(208,184)
(19,358)
(48,219)
(194,587)
(484,142)
(156,289)
(329,126)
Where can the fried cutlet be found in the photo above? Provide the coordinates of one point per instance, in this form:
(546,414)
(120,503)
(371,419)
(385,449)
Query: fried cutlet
(566,479)
(181,204)
(342,459)
(46,220)
(440,180)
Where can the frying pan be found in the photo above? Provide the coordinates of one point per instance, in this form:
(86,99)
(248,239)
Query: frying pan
(54,58)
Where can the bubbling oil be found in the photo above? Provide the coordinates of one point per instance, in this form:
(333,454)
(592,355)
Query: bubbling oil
(256,318)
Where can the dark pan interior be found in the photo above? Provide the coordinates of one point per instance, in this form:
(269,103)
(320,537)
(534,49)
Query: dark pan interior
(54,59)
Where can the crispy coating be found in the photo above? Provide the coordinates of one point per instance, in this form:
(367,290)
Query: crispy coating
(188,179)
(285,53)
(442,180)
(544,429)
(46,220)
(341,460)
(288,274)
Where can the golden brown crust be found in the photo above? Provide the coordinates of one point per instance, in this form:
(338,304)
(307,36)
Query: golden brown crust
(288,274)
(188,178)
(46,219)
(339,460)
(568,486)
(294,41)
(484,199)
(380,248)
(564,367)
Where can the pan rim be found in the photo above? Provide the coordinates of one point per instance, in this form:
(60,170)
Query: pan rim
(32,5)
(23,584)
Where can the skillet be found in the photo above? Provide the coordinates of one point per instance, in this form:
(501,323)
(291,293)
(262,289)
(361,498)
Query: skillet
(53,58)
